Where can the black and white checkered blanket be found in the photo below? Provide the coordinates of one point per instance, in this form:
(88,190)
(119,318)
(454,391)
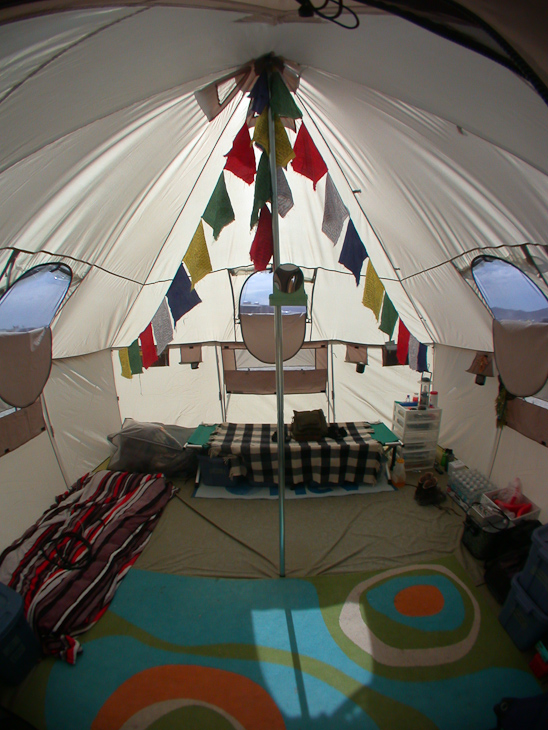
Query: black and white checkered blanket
(250,450)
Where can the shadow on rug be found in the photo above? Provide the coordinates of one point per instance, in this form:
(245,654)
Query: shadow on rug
(413,648)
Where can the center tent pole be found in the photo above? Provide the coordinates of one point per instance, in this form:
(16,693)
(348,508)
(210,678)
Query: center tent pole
(279,342)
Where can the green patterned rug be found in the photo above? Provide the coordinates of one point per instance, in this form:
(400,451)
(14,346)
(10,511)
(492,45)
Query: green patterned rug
(410,648)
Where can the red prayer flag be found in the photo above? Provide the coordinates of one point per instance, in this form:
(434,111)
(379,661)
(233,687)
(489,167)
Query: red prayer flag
(262,247)
(308,161)
(403,343)
(241,158)
(148,347)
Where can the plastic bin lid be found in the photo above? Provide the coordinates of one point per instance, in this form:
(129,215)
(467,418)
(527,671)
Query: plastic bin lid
(526,602)
(540,535)
(11,606)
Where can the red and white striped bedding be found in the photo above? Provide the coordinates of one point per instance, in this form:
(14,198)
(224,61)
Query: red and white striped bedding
(68,565)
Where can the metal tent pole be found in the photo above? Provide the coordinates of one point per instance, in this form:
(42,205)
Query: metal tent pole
(279,343)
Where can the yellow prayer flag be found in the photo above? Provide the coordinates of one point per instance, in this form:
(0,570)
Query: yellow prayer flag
(284,150)
(260,133)
(197,256)
(373,291)
(124,362)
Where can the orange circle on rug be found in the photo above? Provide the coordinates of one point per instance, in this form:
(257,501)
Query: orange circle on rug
(235,696)
(419,600)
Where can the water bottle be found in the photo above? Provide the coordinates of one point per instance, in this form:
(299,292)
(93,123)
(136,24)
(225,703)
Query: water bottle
(398,473)
(424,400)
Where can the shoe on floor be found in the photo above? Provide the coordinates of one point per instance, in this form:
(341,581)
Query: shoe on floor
(427,491)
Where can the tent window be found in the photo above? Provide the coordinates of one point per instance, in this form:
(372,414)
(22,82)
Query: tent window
(27,309)
(513,297)
(508,292)
(225,89)
(40,291)
(257,320)
(254,298)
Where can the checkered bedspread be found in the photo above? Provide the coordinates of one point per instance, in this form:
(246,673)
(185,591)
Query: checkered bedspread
(251,452)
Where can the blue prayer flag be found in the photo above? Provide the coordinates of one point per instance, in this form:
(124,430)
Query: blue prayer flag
(180,295)
(422,365)
(353,252)
(259,93)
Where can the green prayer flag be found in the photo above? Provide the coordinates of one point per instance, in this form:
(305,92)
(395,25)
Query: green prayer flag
(219,212)
(389,317)
(263,188)
(135,359)
(281,99)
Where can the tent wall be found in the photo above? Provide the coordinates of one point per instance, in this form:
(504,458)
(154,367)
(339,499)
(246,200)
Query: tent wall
(81,402)
(30,478)
(179,395)
(468,426)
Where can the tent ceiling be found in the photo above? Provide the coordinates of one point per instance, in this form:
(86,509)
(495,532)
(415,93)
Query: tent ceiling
(106,160)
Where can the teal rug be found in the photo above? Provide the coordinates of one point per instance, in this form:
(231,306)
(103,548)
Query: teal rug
(411,648)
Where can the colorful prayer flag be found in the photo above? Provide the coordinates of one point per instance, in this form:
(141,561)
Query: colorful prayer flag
(334,213)
(162,327)
(260,133)
(262,247)
(282,102)
(403,343)
(353,252)
(285,196)
(196,257)
(241,159)
(259,94)
(308,161)
(135,359)
(263,188)
(219,212)
(413,352)
(389,317)
(180,295)
(124,362)
(422,364)
(284,151)
(373,290)
(148,348)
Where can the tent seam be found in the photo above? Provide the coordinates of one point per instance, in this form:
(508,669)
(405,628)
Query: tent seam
(64,50)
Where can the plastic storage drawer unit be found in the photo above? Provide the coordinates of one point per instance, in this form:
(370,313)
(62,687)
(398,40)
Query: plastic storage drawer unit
(534,575)
(419,456)
(415,425)
(525,622)
(19,648)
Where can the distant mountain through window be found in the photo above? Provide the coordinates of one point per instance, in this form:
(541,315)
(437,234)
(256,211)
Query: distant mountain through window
(254,298)
(508,292)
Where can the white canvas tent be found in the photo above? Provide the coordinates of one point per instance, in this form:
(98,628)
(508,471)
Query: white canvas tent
(107,163)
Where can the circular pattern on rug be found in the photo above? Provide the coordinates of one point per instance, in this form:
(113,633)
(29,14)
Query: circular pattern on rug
(426,602)
(439,611)
(153,697)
